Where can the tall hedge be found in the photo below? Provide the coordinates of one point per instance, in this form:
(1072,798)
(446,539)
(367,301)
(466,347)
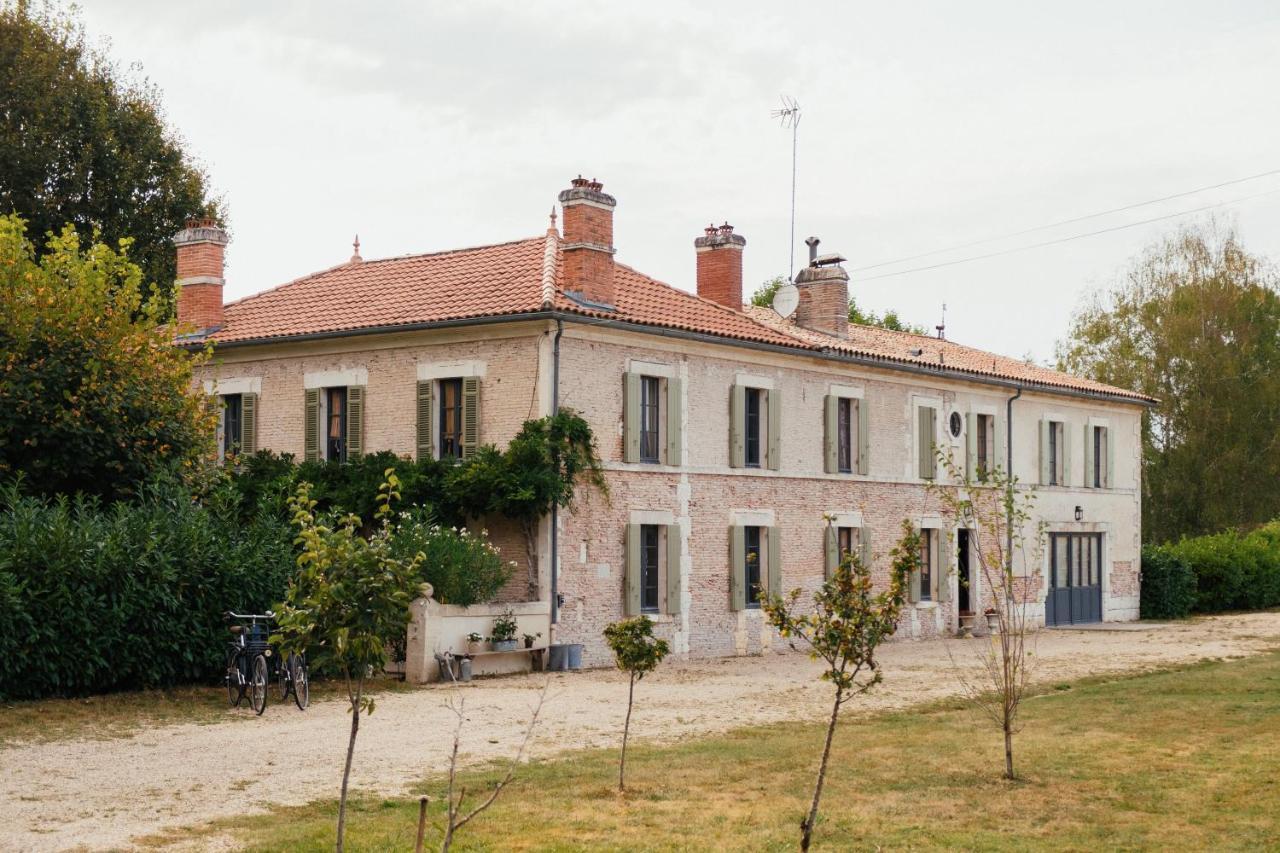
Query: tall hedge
(96,598)
(1232,570)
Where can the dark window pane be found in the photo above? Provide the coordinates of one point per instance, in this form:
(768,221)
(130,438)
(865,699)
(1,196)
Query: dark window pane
(847,540)
(751,537)
(450,418)
(649,568)
(926,564)
(984,433)
(336,429)
(1098,451)
(1053,454)
(649,411)
(231,421)
(844,448)
(752,427)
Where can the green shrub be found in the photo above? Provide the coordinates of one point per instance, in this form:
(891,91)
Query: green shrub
(1168,585)
(96,598)
(1233,570)
(462,567)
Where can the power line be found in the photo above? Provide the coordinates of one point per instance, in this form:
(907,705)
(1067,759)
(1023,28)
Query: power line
(1068,239)
(1062,222)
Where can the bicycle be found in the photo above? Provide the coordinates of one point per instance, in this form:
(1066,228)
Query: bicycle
(292,677)
(248,669)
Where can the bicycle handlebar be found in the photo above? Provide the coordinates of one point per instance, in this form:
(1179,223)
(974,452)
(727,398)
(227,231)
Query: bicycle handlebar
(251,616)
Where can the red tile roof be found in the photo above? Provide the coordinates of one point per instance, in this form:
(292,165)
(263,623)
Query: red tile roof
(523,277)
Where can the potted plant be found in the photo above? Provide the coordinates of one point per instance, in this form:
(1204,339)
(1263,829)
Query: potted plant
(529,638)
(993,619)
(504,632)
(475,643)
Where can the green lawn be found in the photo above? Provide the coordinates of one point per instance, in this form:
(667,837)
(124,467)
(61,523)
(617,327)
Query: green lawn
(1188,759)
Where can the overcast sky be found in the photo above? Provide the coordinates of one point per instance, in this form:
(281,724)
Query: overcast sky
(429,126)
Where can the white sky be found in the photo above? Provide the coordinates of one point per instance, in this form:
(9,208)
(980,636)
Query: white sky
(428,126)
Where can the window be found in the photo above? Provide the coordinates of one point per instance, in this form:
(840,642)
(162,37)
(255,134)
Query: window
(845,434)
(450,419)
(1057,454)
(650,550)
(753,557)
(754,428)
(928,557)
(985,441)
(1098,475)
(232,420)
(650,410)
(335,424)
(847,539)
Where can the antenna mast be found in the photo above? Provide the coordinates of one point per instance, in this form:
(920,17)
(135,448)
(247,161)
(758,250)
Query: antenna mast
(789,115)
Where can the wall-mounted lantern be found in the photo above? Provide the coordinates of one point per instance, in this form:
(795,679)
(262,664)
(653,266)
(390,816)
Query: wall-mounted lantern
(1079,513)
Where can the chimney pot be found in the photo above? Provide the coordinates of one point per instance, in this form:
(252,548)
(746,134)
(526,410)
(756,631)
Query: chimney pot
(200,248)
(824,294)
(719,255)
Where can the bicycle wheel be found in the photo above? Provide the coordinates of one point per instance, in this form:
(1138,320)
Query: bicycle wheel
(234,678)
(258,685)
(301,681)
(284,682)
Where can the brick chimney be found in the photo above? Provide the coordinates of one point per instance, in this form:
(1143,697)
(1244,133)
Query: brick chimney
(588,241)
(719,253)
(200,247)
(824,294)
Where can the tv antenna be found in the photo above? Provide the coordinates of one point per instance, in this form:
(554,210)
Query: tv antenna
(789,115)
(942,327)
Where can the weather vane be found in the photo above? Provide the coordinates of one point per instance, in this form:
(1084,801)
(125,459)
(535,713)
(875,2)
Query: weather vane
(789,115)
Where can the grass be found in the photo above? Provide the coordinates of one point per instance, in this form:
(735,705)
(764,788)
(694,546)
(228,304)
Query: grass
(1186,759)
(123,714)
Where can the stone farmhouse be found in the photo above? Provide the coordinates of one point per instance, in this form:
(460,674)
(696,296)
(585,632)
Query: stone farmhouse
(728,432)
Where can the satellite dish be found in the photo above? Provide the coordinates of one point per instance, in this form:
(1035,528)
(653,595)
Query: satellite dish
(786,300)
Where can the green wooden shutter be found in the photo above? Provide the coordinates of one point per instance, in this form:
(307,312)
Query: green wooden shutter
(1000,443)
(831,434)
(913,582)
(942,575)
(926,433)
(1111,458)
(311,426)
(775,561)
(470,416)
(248,423)
(971,447)
(864,437)
(425,450)
(775,429)
(737,426)
(831,551)
(673,568)
(631,417)
(737,568)
(675,421)
(864,546)
(355,421)
(631,572)
(1088,482)
(1066,456)
(1045,466)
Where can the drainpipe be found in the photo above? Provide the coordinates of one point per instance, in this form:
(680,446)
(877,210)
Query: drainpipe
(1008,472)
(555,514)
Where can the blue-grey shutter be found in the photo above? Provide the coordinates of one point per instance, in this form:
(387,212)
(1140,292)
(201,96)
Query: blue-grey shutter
(631,572)
(675,421)
(631,417)
(737,568)
(673,568)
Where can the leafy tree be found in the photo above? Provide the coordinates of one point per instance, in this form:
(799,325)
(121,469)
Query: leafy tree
(847,625)
(82,143)
(1194,322)
(997,514)
(541,468)
(636,652)
(763,297)
(349,601)
(93,395)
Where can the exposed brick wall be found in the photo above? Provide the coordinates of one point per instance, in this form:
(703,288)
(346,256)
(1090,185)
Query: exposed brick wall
(200,259)
(719,261)
(589,272)
(587,223)
(200,305)
(824,300)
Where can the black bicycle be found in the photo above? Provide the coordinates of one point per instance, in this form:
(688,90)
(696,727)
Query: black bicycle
(292,677)
(252,662)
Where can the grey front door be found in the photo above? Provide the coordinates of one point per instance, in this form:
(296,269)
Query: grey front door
(1075,579)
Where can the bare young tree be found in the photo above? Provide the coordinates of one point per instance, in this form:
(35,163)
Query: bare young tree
(846,626)
(996,512)
(456,816)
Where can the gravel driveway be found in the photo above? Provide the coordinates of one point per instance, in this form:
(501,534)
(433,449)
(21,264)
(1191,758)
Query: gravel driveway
(99,794)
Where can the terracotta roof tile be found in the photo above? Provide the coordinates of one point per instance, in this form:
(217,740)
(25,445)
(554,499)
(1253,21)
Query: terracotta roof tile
(523,277)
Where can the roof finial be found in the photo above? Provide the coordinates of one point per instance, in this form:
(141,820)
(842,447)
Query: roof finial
(355,246)
(552,225)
